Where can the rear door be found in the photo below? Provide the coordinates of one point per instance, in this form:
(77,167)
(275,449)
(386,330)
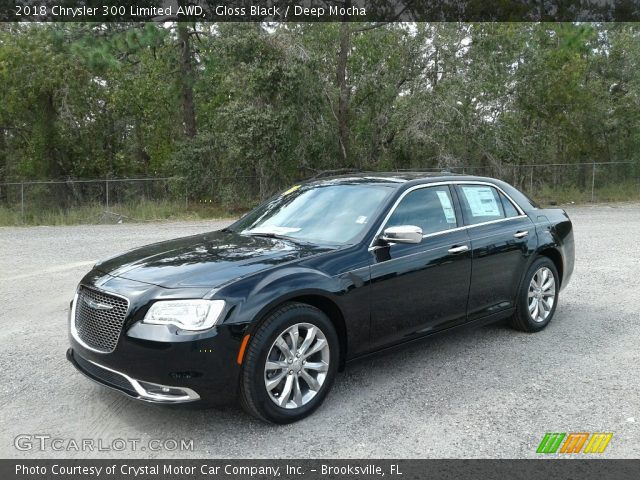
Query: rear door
(502,239)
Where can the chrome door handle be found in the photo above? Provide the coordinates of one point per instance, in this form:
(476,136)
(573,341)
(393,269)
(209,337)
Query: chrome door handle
(460,249)
(521,234)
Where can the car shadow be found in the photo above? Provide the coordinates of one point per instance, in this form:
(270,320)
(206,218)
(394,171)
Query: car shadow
(200,420)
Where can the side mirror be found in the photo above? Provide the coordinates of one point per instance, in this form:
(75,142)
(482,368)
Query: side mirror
(402,234)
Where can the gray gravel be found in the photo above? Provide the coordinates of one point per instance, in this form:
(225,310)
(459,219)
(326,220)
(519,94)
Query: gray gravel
(490,392)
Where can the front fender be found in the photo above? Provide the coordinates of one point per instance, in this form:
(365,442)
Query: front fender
(254,298)
(280,287)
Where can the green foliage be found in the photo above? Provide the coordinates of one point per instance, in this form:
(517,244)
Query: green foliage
(96,100)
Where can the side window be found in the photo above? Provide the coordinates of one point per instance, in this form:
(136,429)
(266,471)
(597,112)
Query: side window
(430,208)
(509,209)
(480,203)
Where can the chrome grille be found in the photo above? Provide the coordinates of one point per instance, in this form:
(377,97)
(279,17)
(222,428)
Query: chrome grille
(99,318)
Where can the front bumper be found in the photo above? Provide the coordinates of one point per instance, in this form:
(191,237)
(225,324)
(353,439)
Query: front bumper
(200,367)
(138,389)
(202,370)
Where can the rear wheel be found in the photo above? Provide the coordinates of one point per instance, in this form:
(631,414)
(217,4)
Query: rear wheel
(538,297)
(290,364)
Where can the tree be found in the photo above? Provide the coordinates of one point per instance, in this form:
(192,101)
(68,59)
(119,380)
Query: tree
(250,107)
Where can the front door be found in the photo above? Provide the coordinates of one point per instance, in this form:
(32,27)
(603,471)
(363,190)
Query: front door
(420,288)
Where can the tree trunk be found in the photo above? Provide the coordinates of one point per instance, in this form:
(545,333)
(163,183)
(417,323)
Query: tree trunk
(142,157)
(4,164)
(436,63)
(186,79)
(343,91)
(49,148)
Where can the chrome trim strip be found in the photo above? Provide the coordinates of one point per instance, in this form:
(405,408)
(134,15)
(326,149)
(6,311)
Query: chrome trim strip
(72,317)
(437,184)
(143,394)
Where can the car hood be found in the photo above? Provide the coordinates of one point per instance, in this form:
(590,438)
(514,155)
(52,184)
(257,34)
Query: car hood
(205,260)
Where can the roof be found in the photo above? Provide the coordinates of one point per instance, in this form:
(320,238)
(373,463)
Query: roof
(394,178)
(399,180)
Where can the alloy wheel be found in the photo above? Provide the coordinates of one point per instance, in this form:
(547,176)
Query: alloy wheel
(297,365)
(542,294)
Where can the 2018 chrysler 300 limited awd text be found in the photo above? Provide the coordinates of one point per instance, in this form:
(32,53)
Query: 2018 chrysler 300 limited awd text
(271,307)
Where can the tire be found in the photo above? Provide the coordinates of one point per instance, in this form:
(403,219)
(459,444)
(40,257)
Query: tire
(527,317)
(299,389)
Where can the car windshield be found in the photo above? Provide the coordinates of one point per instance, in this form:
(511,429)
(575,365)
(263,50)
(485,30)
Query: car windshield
(322,213)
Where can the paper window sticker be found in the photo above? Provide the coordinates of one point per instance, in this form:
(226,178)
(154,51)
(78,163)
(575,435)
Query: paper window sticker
(482,201)
(447,207)
(291,190)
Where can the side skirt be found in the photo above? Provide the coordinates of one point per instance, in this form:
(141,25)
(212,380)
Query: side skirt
(480,322)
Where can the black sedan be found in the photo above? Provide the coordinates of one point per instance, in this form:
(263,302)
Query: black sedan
(268,309)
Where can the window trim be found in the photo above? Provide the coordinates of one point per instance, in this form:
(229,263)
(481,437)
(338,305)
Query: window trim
(456,201)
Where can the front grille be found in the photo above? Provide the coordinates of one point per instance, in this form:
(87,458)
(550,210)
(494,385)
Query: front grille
(103,375)
(99,326)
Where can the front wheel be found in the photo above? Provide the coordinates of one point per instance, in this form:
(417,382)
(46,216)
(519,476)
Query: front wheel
(290,364)
(538,297)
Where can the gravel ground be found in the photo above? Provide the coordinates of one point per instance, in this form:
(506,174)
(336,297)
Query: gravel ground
(489,392)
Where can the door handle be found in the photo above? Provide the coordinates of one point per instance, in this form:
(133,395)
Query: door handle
(521,234)
(460,249)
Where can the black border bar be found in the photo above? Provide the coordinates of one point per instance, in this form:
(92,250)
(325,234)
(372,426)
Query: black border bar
(320,10)
(572,468)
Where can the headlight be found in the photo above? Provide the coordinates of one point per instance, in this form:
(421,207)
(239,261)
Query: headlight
(185,314)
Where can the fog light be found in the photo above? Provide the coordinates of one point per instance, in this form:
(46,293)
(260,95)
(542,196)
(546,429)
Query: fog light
(153,389)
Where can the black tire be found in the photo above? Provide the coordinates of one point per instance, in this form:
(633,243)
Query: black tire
(253,391)
(522,318)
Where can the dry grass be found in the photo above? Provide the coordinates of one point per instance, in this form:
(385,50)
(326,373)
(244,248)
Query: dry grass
(94,214)
(621,192)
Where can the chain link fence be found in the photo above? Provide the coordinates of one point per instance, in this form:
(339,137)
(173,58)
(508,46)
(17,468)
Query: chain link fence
(559,183)
(112,200)
(115,199)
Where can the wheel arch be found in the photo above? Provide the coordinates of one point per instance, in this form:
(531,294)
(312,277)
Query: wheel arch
(323,303)
(556,257)
(552,253)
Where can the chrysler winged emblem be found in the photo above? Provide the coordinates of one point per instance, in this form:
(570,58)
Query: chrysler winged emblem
(96,305)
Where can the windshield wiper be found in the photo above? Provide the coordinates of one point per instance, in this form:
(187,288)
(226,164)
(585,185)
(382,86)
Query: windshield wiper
(279,236)
(269,235)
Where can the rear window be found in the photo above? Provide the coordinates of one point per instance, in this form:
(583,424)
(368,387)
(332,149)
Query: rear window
(509,209)
(481,203)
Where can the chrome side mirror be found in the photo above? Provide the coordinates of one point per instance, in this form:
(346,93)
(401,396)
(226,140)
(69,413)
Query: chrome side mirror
(402,234)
